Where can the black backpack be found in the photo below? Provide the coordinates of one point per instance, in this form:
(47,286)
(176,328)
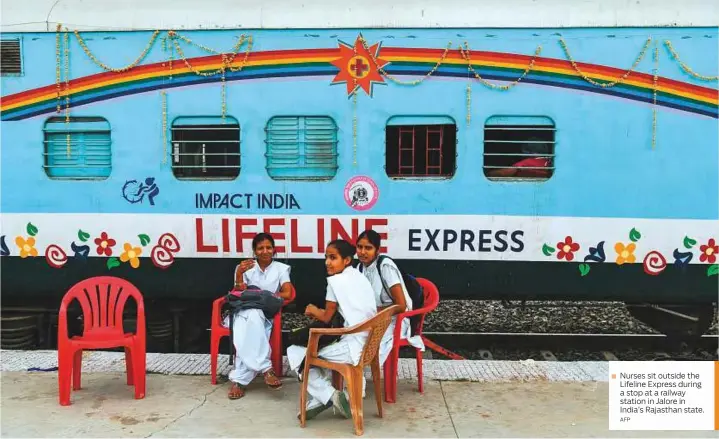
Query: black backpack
(416,293)
(251,298)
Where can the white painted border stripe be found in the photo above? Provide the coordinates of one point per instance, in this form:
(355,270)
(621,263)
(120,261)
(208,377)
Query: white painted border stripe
(443,370)
(408,236)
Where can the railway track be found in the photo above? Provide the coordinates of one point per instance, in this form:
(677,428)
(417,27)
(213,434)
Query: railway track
(565,346)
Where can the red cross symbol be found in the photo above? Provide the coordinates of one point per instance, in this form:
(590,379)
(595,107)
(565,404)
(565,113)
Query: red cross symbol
(358,67)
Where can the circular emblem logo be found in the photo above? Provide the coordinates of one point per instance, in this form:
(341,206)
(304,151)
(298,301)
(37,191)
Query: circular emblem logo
(361,193)
(358,66)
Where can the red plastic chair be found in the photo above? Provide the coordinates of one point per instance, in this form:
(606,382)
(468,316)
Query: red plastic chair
(431,300)
(217,331)
(103,301)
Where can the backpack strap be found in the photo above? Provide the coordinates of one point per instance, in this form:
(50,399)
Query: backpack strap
(380,258)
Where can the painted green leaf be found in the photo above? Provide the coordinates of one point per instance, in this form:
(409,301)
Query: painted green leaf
(547,250)
(112,263)
(144,239)
(31,230)
(713,270)
(688,242)
(634,235)
(83,236)
(584,269)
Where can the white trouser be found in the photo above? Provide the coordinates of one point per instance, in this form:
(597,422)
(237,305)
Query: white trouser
(251,331)
(319,382)
(385,346)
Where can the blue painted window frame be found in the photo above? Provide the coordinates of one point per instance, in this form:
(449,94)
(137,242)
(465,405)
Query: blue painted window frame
(301,148)
(90,155)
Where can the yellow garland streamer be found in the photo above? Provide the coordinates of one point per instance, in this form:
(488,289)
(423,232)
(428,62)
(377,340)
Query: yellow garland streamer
(398,81)
(465,51)
(227,61)
(685,67)
(58,63)
(654,93)
(617,81)
(163,95)
(122,69)
(67,91)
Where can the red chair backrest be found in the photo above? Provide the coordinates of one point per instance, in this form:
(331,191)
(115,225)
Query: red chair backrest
(102,300)
(431,299)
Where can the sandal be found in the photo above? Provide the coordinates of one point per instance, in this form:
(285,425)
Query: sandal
(236,391)
(271,380)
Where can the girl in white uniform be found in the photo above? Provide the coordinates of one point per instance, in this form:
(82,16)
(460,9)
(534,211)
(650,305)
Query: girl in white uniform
(348,292)
(392,292)
(251,329)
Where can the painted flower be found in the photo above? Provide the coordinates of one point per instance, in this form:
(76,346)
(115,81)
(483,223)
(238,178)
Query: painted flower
(131,254)
(104,244)
(567,249)
(709,251)
(27,247)
(625,254)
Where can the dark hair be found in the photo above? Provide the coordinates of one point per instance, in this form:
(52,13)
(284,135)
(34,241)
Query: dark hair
(371,236)
(262,237)
(344,248)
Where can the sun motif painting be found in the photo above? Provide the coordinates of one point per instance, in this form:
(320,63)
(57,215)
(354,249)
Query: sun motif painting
(359,66)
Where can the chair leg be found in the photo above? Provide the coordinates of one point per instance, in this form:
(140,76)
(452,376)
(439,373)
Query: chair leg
(390,395)
(64,375)
(129,367)
(276,344)
(138,367)
(77,370)
(214,352)
(420,379)
(376,377)
(303,395)
(354,386)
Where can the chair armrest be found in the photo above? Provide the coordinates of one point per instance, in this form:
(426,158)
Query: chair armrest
(330,331)
(216,307)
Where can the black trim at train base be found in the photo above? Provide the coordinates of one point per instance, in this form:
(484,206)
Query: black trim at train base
(30,279)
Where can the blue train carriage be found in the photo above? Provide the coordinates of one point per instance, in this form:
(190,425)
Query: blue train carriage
(505,150)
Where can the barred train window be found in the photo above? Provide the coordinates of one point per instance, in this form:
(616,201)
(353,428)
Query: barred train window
(10,57)
(519,148)
(205,148)
(421,147)
(301,148)
(88,155)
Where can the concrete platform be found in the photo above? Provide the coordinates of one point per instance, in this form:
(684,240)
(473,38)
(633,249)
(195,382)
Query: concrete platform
(189,406)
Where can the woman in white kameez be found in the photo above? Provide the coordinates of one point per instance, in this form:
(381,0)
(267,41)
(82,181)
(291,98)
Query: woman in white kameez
(392,292)
(251,330)
(350,294)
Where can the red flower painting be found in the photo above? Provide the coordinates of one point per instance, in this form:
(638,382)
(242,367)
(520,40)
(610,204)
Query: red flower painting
(567,249)
(709,252)
(104,244)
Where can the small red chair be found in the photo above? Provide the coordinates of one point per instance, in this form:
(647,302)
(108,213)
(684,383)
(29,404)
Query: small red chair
(217,331)
(431,300)
(103,301)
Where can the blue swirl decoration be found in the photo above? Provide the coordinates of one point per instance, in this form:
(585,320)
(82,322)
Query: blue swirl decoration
(4,251)
(682,259)
(81,251)
(596,254)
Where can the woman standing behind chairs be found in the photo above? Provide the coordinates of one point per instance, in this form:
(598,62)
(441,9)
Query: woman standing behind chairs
(251,329)
(392,292)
